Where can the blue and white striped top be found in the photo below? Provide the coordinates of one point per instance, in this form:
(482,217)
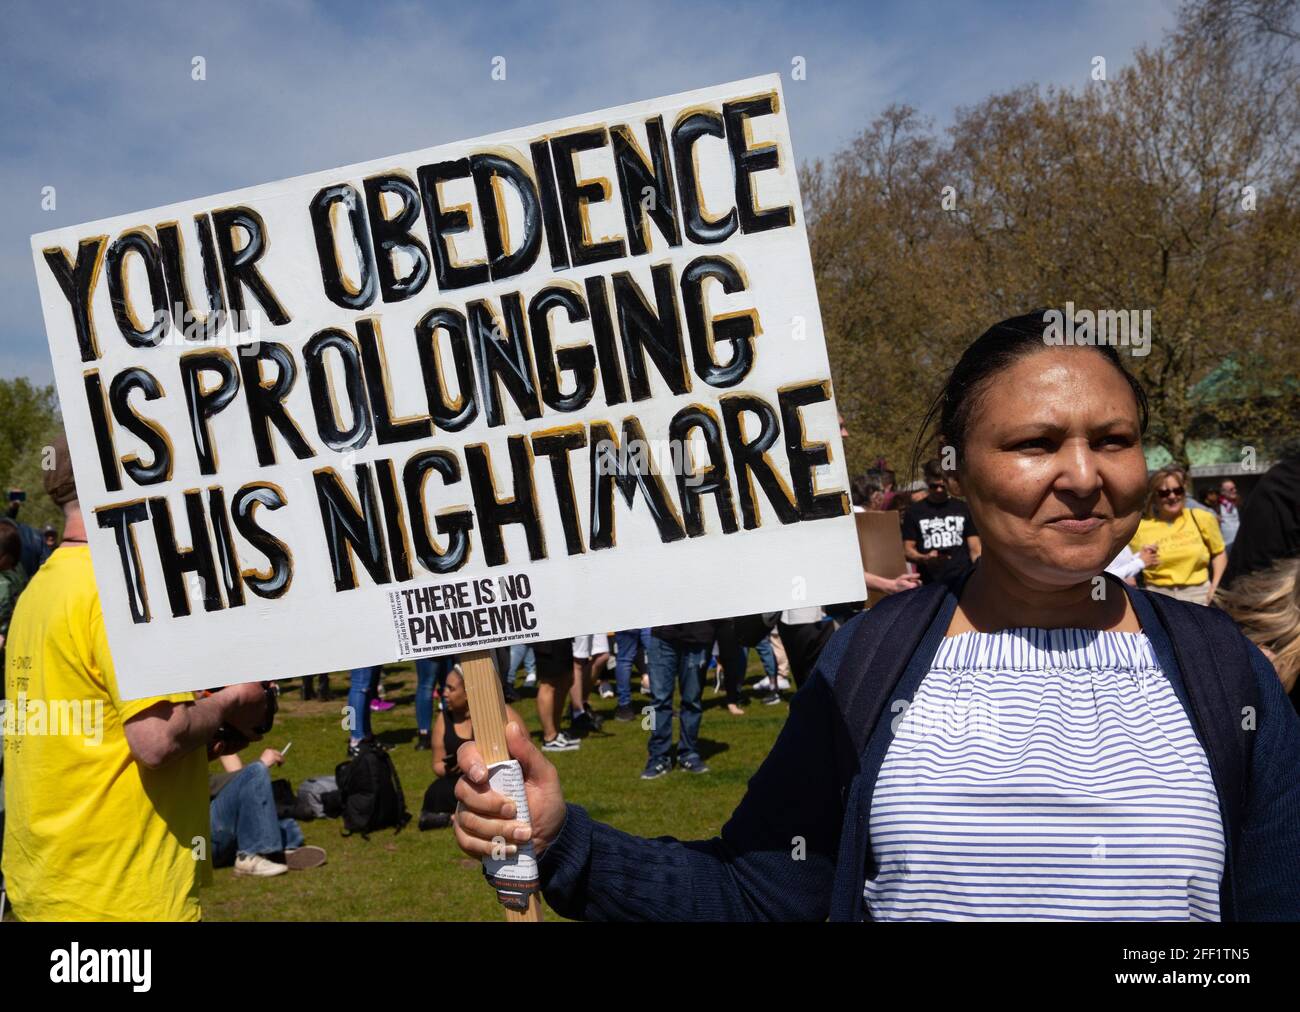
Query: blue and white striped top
(1045,774)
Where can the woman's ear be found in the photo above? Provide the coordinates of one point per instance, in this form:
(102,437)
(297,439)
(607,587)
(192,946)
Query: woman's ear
(951,472)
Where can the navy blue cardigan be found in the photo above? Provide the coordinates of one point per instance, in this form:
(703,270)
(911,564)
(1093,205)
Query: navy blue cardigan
(779,856)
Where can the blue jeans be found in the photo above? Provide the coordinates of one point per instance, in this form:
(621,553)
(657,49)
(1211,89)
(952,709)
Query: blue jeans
(522,653)
(244,820)
(768,656)
(428,673)
(673,665)
(626,644)
(360,693)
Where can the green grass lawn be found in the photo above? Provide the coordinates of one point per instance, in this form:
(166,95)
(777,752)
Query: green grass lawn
(414,876)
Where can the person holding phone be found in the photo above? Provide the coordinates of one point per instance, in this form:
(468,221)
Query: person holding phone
(246,830)
(939,534)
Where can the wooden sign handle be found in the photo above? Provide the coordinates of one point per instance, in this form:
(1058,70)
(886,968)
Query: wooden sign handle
(487,712)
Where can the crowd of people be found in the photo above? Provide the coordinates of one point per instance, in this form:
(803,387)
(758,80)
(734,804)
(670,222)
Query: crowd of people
(1008,599)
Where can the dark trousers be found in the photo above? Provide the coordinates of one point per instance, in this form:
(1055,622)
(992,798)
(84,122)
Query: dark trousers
(732,658)
(803,645)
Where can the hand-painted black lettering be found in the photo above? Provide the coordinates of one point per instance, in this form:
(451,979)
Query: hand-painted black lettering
(139,333)
(454,524)
(240,265)
(646,190)
(329,425)
(713,480)
(737,329)
(202,402)
(746,161)
(805,456)
(265,401)
(77,282)
(449,413)
(575,195)
(578,360)
(657,331)
(224,545)
(629,468)
(194,325)
(338,288)
(352,527)
(491,171)
(274,581)
(750,461)
(555,240)
(700,228)
(148,432)
(388,429)
(177,561)
(393,234)
(501,352)
(444,223)
(556,444)
(120,520)
(399,549)
(495,513)
(602,329)
(95,400)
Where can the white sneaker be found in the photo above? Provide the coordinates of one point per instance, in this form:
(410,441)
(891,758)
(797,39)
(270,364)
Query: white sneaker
(561,744)
(782,682)
(530,680)
(606,690)
(258,866)
(764,684)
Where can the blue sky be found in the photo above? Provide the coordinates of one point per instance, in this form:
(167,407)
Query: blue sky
(97,100)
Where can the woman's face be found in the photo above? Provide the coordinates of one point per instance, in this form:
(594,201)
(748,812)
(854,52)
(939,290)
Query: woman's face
(1170,497)
(1052,468)
(455,692)
(876,501)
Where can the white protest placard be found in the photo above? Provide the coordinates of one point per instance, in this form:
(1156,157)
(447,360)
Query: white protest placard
(558,380)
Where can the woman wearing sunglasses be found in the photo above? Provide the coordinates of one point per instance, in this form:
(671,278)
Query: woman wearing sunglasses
(1186,542)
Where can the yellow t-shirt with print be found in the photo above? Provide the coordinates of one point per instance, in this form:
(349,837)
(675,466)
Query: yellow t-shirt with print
(90,834)
(1185,544)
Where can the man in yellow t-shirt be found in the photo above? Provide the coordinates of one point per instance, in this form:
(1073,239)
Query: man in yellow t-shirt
(106,801)
(1187,541)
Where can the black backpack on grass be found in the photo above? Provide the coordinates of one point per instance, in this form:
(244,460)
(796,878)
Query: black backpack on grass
(371,792)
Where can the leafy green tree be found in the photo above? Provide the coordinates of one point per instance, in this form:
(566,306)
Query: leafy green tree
(29,422)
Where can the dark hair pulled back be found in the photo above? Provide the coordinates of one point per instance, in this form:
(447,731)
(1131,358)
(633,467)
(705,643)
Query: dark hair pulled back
(948,418)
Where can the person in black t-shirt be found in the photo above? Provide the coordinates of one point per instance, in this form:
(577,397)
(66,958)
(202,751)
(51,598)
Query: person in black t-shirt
(939,534)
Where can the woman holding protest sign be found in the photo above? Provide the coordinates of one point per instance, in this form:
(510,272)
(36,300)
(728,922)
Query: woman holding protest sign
(1028,740)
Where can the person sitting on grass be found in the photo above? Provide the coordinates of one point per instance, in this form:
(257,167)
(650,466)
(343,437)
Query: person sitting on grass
(450,730)
(246,831)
